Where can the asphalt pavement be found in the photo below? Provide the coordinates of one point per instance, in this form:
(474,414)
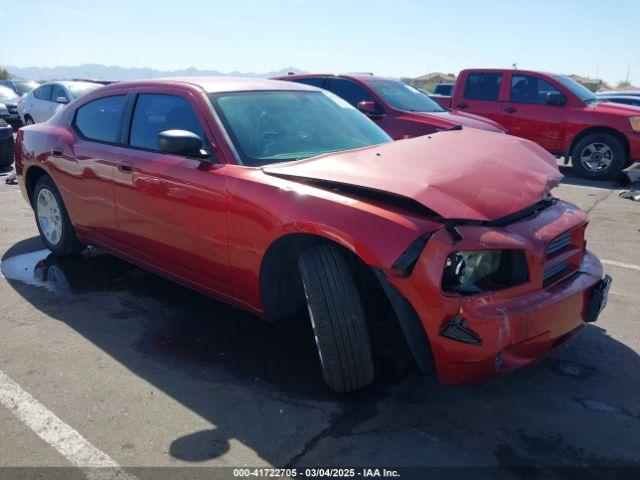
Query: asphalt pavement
(115,367)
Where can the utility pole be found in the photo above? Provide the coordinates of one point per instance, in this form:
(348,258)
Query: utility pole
(628,69)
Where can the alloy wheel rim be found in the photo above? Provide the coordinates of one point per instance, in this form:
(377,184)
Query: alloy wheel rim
(596,157)
(49,216)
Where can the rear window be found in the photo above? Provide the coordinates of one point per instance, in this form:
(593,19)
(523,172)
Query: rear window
(78,89)
(314,82)
(100,119)
(483,86)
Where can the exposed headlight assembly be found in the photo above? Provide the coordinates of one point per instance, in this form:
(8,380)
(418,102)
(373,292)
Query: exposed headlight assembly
(476,271)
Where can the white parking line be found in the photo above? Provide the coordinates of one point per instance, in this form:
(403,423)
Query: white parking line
(96,465)
(621,264)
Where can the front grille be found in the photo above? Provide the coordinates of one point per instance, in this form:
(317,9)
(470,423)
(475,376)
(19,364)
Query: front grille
(559,243)
(564,254)
(554,270)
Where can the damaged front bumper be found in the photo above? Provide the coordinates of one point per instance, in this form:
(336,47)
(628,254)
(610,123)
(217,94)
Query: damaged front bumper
(523,329)
(479,336)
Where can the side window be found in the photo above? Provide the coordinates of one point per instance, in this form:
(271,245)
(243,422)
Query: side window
(100,119)
(155,113)
(349,91)
(58,91)
(483,86)
(314,82)
(43,92)
(528,89)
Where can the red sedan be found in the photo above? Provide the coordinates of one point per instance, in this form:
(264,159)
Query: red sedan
(275,197)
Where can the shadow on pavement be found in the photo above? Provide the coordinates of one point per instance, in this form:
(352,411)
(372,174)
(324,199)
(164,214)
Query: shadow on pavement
(627,179)
(259,383)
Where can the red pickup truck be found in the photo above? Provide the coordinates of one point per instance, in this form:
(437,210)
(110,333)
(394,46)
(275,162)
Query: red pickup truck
(555,111)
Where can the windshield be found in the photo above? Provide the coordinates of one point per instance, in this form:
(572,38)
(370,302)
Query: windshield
(7,94)
(24,87)
(278,126)
(401,96)
(580,91)
(79,89)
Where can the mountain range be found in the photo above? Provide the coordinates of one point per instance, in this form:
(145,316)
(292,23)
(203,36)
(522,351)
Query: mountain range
(104,72)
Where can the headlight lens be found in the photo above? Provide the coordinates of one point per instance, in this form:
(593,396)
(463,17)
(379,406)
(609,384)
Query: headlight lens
(475,271)
(635,123)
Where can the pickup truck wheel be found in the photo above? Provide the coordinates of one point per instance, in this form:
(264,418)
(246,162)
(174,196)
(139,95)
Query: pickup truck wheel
(600,156)
(6,152)
(53,220)
(337,318)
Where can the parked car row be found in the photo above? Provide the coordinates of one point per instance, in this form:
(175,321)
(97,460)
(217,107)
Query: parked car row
(399,109)
(628,98)
(43,102)
(600,137)
(9,99)
(280,197)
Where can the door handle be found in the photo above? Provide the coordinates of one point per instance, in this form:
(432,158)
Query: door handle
(462,106)
(123,167)
(511,110)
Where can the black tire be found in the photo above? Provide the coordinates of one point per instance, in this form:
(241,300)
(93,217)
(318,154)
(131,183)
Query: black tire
(612,143)
(337,318)
(68,243)
(6,152)
(28,120)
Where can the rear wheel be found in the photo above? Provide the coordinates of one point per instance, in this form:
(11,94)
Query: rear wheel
(6,152)
(337,318)
(600,156)
(53,220)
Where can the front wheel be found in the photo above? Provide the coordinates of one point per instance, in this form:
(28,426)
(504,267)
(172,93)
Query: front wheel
(600,156)
(337,318)
(53,220)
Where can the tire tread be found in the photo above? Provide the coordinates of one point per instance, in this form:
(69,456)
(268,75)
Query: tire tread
(338,317)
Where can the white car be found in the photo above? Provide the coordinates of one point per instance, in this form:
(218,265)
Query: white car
(41,103)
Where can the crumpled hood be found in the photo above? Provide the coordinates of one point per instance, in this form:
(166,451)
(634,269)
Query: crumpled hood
(459,174)
(469,120)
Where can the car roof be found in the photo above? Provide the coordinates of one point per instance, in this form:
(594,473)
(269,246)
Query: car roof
(215,84)
(504,70)
(356,76)
(621,93)
(66,83)
(629,97)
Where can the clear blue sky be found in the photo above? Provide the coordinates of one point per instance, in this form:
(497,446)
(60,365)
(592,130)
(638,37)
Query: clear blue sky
(388,37)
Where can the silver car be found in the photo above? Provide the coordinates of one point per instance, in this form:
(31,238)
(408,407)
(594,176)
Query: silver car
(42,103)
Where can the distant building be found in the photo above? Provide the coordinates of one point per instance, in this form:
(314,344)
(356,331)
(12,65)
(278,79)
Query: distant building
(429,80)
(591,83)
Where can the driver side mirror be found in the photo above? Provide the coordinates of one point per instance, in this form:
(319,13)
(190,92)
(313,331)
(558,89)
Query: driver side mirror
(63,100)
(556,99)
(182,142)
(370,108)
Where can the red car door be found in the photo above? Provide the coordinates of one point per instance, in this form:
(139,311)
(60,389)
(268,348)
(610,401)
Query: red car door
(90,167)
(527,113)
(172,209)
(481,94)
